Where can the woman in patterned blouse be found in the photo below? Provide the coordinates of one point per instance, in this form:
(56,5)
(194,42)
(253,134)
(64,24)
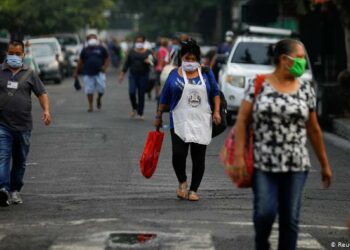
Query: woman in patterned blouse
(283,115)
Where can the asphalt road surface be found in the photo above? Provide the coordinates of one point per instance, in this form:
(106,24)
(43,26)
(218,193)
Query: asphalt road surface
(83,188)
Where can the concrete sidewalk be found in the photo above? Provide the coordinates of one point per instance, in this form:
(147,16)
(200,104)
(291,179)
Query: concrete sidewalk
(341,127)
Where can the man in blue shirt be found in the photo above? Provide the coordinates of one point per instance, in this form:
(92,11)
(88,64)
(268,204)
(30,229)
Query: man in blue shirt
(94,61)
(225,47)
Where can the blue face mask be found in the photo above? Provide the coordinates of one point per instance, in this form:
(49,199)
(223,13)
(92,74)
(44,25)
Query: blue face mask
(14,61)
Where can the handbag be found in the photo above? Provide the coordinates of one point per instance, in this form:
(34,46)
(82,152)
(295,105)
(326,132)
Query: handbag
(150,154)
(220,128)
(227,151)
(77,84)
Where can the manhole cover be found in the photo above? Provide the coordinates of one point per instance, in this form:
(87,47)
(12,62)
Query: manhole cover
(127,240)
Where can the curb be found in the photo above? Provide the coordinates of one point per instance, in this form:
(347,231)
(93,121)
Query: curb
(337,141)
(341,127)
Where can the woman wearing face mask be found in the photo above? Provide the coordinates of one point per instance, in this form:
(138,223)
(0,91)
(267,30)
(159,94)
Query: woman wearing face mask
(282,115)
(138,61)
(193,99)
(29,59)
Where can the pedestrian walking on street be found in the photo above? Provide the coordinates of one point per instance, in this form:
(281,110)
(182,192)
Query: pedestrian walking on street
(94,61)
(115,52)
(283,114)
(29,59)
(225,47)
(17,82)
(162,57)
(139,60)
(194,102)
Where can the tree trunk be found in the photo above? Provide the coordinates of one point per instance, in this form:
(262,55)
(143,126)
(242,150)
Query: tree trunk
(218,32)
(347,45)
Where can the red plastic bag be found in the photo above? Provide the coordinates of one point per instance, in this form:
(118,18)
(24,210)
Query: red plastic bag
(150,155)
(245,176)
(227,158)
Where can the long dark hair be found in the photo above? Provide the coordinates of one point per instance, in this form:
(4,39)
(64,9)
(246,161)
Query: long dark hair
(189,47)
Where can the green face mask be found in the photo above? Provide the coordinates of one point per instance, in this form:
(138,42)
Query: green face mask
(298,67)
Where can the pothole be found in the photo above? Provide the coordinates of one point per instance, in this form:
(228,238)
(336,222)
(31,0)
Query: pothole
(130,240)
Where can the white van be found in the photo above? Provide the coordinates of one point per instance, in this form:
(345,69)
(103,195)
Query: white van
(251,54)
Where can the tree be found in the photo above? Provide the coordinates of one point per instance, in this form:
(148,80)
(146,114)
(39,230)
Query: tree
(46,16)
(166,18)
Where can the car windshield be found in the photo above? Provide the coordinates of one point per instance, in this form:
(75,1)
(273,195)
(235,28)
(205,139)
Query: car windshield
(42,50)
(253,53)
(68,40)
(51,44)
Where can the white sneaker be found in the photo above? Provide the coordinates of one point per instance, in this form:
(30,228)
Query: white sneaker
(16,198)
(140,118)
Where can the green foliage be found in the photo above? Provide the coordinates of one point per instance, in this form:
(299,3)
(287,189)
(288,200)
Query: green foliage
(47,16)
(166,17)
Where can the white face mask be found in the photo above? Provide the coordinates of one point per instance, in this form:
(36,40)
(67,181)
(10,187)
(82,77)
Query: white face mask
(139,45)
(228,39)
(190,66)
(92,42)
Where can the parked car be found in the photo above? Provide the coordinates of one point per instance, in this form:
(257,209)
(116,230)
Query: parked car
(251,54)
(48,62)
(56,48)
(3,48)
(72,46)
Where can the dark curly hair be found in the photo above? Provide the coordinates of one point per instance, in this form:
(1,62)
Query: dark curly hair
(189,47)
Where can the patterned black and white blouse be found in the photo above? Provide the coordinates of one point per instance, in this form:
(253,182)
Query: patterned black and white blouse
(279,127)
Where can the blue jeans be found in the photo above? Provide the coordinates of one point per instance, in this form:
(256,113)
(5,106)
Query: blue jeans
(138,85)
(13,145)
(282,193)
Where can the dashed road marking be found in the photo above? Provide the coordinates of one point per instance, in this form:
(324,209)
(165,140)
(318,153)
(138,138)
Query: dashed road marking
(305,241)
(60,102)
(242,223)
(32,163)
(105,220)
(64,223)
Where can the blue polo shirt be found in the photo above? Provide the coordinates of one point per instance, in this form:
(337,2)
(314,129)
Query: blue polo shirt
(174,85)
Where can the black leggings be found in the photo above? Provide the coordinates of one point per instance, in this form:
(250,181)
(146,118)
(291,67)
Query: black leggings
(180,151)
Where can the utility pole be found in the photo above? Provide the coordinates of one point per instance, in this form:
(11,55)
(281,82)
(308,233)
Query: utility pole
(219,15)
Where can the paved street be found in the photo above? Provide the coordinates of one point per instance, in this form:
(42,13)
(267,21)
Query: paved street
(83,186)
